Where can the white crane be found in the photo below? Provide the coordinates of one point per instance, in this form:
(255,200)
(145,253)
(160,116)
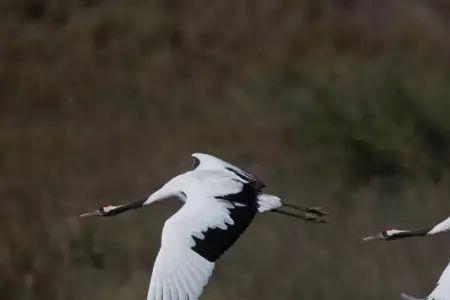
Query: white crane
(220,201)
(442,289)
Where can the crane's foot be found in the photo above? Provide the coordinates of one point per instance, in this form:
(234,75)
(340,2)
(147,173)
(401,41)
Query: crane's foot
(318,210)
(315,217)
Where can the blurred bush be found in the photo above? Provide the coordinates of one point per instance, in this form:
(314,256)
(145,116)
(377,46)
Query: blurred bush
(338,103)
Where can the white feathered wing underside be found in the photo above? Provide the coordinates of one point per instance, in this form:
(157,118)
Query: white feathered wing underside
(179,273)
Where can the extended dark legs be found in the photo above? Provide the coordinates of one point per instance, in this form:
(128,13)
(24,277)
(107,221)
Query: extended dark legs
(313,214)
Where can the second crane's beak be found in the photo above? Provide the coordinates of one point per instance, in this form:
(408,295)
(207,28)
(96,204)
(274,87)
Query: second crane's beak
(95,213)
(375,237)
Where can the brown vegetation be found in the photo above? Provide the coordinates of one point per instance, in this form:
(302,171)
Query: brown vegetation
(339,103)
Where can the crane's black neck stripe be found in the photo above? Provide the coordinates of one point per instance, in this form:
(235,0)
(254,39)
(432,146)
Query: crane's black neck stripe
(409,233)
(122,208)
(216,241)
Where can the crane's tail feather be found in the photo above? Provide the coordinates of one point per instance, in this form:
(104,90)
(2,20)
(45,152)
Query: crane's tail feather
(268,202)
(408,297)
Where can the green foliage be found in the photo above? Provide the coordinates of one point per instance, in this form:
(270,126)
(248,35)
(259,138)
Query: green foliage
(372,123)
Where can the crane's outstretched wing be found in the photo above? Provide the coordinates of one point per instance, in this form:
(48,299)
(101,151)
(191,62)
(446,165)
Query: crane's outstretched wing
(215,214)
(178,274)
(204,161)
(442,289)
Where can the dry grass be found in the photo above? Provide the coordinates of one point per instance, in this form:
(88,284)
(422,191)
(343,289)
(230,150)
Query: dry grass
(338,103)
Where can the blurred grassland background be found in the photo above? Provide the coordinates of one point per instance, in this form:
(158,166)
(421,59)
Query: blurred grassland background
(344,104)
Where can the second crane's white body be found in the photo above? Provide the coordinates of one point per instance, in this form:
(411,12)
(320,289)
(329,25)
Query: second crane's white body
(442,289)
(440,292)
(220,202)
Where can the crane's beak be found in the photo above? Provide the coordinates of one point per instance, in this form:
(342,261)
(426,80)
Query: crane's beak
(378,236)
(95,213)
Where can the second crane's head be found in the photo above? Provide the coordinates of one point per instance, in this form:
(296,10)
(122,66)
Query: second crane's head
(386,235)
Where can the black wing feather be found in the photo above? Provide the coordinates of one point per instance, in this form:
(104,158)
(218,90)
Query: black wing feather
(216,241)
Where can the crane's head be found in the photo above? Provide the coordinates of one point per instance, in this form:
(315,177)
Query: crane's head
(385,235)
(102,211)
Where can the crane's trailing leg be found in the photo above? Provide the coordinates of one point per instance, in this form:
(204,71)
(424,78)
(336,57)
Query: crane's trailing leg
(313,213)
(319,217)
(273,203)
(312,209)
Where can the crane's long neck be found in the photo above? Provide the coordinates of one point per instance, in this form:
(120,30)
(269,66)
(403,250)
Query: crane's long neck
(395,234)
(115,210)
(166,191)
(401,234)
(441,227)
